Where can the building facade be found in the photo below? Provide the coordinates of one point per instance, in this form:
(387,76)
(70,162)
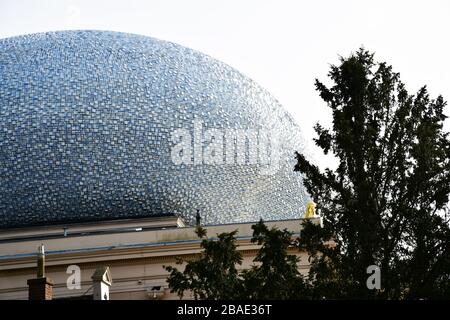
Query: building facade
(111,142)
(134,250)
(98,125)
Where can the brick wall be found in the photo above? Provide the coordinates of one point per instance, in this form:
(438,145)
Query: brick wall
(40,289)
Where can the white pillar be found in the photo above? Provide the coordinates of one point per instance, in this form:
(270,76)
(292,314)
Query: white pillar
(101,282)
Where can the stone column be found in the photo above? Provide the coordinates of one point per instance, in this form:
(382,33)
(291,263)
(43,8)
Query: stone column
(101,282)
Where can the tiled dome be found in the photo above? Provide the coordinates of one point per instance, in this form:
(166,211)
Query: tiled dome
(88,127)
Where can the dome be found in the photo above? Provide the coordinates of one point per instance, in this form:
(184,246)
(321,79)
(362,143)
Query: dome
(99,125)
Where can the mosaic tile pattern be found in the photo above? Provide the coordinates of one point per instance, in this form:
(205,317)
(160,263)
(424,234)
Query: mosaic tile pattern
(85,124)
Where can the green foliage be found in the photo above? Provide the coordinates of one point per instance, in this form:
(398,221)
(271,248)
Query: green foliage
(276,275)
(213,275)
(384,204)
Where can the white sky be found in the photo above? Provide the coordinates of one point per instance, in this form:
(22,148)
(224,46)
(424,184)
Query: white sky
(283,45)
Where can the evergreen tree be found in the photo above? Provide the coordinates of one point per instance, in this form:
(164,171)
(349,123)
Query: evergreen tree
(214,274)
(385,205)
(276,273)
(386,202)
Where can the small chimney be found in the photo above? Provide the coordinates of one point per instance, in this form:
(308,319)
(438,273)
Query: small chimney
(101,282)
(198,218)
(40,288)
